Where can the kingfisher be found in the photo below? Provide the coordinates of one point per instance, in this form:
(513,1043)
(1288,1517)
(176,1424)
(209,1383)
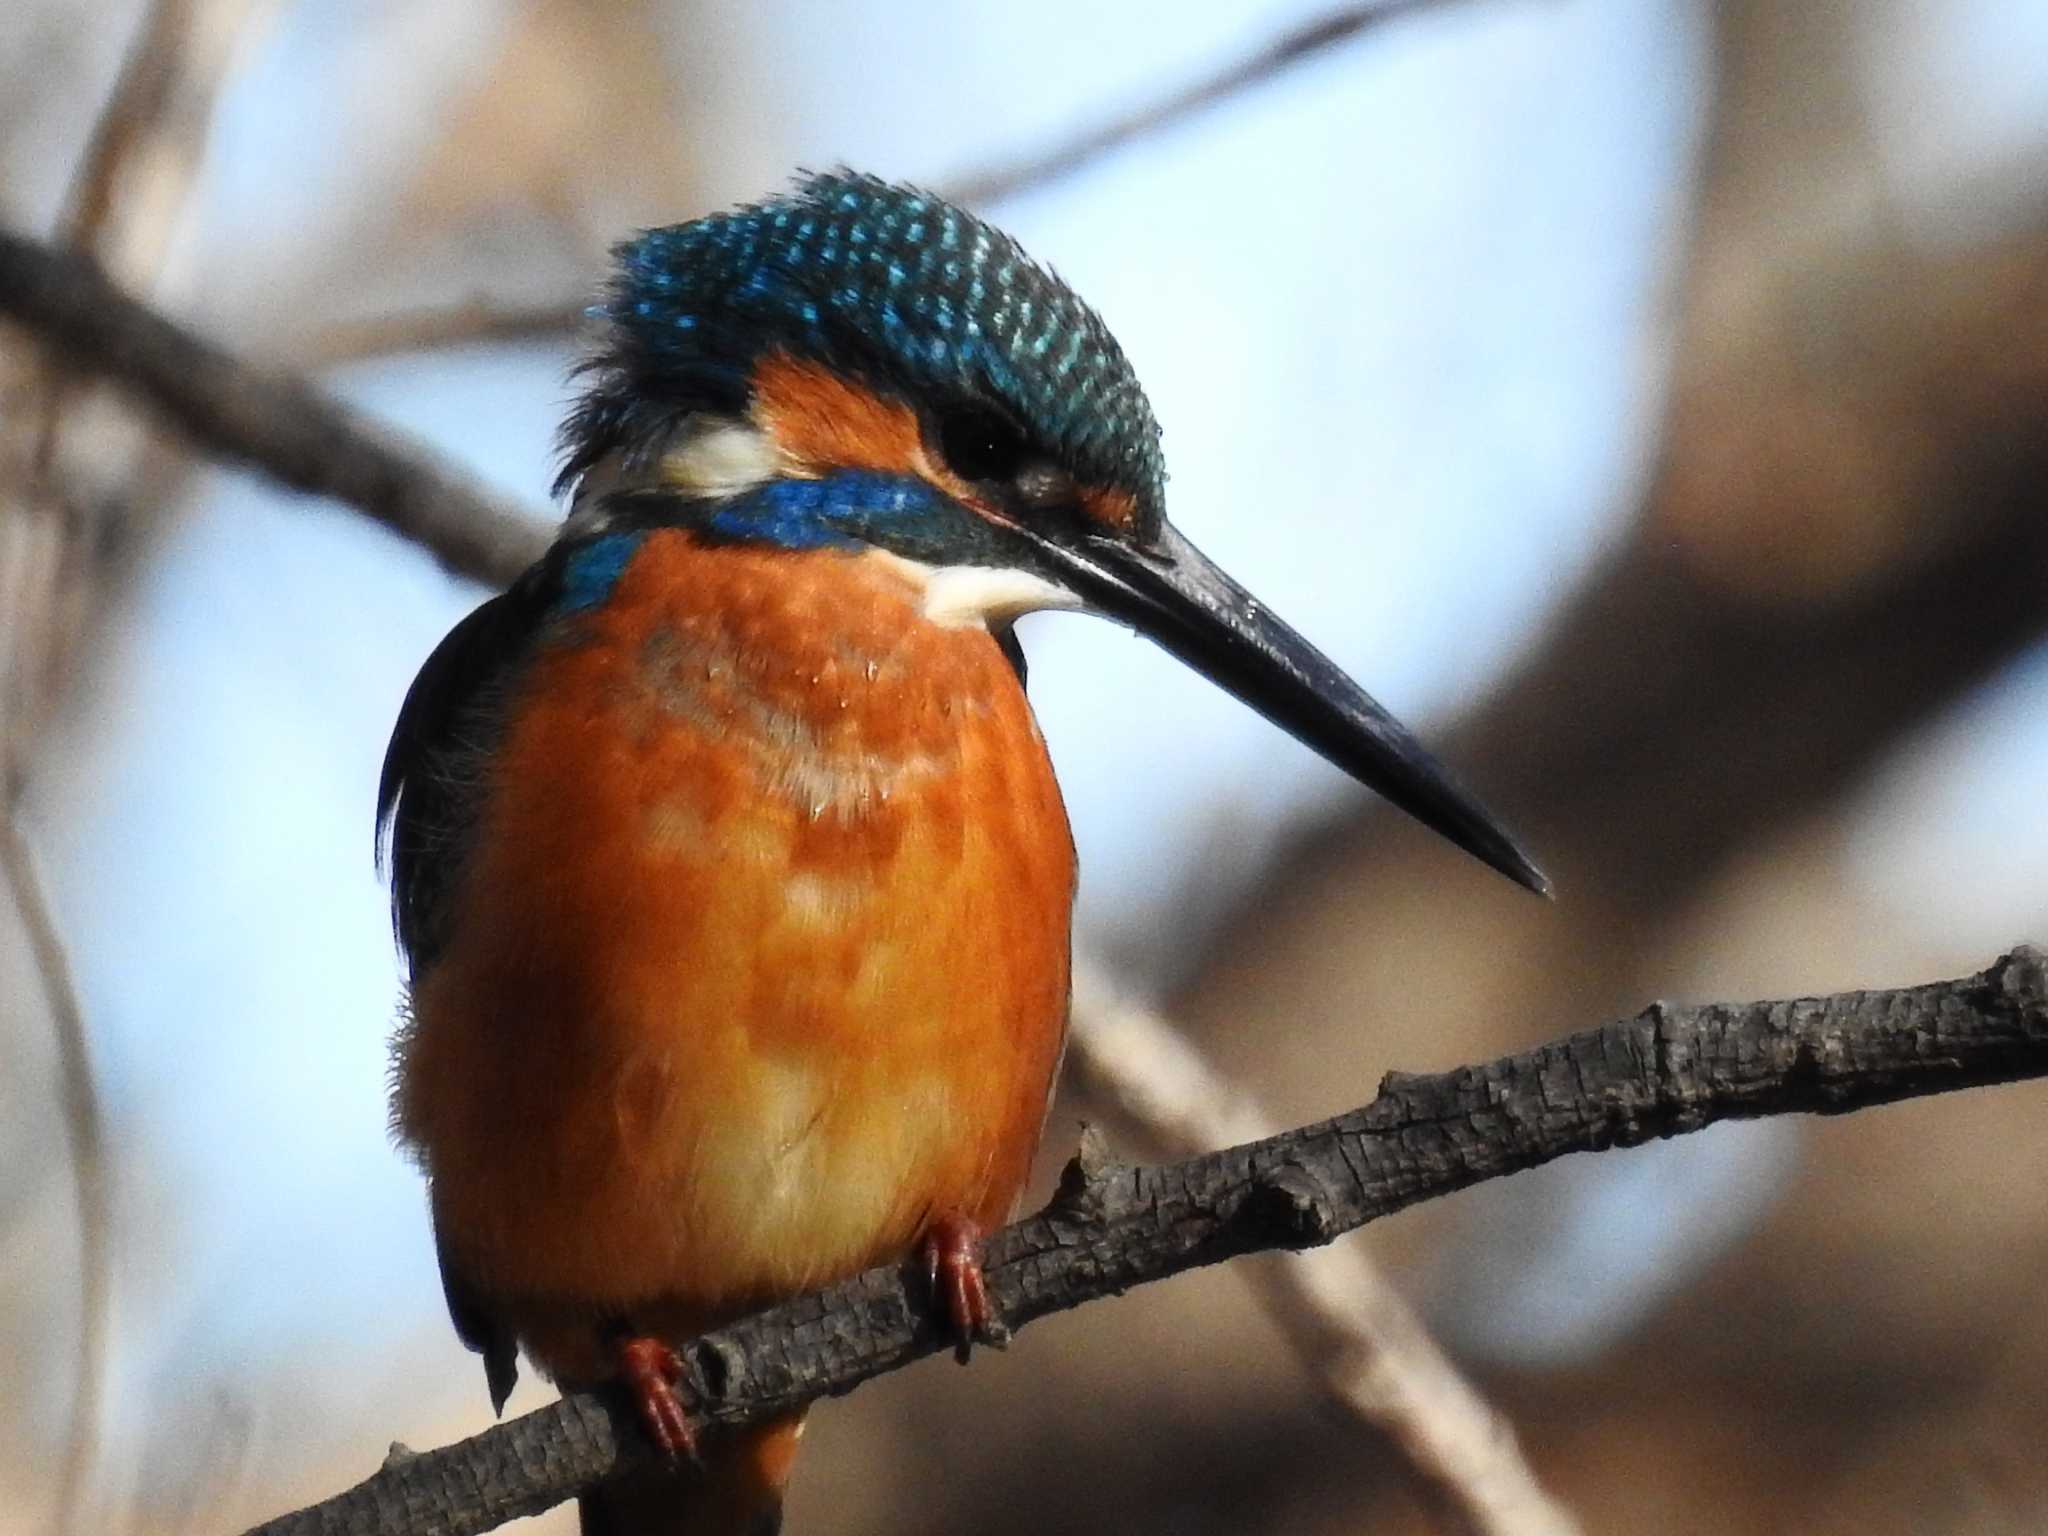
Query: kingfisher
(732,879)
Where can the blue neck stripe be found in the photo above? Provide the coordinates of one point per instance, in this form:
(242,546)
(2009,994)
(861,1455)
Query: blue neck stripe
(850,510)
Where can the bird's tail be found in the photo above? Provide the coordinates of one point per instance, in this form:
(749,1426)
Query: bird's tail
(737,1491)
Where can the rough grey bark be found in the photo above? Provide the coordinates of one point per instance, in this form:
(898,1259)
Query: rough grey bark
(1112,1226)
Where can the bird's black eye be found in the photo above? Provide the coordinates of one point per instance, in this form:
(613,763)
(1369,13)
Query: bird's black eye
(981,445)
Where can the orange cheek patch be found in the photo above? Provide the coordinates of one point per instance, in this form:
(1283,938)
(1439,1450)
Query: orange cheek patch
(826,422)
(1112,509)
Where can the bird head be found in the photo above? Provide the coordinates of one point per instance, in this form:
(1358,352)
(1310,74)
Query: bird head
(862,366)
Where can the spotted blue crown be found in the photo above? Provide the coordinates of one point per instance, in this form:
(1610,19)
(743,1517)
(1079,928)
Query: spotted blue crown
(891,285)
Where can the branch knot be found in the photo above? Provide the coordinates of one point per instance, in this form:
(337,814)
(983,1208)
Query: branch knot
(1289,1205)
(2021,977)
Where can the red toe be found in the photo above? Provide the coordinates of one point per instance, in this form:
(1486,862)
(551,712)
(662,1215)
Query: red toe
(951,1249)
(649,1369)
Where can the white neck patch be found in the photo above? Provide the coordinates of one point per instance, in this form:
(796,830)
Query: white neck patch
(708,456)
(718,456)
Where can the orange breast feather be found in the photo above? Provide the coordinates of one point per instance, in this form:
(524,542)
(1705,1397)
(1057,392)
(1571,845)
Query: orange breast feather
(762,949)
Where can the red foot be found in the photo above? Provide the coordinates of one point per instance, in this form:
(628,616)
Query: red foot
(649,1370)
(951,1249)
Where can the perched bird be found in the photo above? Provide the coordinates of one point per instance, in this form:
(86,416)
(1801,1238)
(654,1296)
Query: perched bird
(727,860)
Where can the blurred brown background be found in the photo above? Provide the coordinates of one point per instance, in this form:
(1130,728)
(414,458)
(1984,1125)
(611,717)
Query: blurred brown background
(1652,397)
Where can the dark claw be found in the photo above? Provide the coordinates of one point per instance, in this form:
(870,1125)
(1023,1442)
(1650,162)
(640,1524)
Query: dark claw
(649,1370)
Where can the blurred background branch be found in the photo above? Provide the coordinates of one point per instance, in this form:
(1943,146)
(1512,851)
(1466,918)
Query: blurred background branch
(86,1127)
(128,192)
(272,421)
(482,320)
(1256,69)
(1346,1321)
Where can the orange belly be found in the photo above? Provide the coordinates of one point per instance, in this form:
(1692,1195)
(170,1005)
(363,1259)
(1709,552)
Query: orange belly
(760,956)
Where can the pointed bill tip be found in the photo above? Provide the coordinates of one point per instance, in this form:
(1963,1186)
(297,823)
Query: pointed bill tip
(1521,869)
(1381,753)
(1174,594)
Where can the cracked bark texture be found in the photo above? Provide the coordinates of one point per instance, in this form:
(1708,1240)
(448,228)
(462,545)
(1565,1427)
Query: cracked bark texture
(1112,1226)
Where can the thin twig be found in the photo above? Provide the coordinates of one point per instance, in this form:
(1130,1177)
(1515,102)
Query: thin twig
(136,175)
(85,1128)
(1350,1327)
(1113,1227)
(273,421)
(472,322)
(140,112)
(983,188)
(476,320)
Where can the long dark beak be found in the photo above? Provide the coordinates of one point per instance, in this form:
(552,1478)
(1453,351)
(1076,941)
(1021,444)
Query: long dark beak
(1175,595)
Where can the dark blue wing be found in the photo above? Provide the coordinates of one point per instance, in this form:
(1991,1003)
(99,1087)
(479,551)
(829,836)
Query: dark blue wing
(480,1329)
(435,768)
(435,775)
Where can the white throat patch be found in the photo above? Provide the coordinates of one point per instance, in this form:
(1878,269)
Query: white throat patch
(954,596)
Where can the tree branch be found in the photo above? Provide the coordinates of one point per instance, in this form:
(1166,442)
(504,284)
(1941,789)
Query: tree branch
(85,1128)
(1110,1227)
(272,421)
